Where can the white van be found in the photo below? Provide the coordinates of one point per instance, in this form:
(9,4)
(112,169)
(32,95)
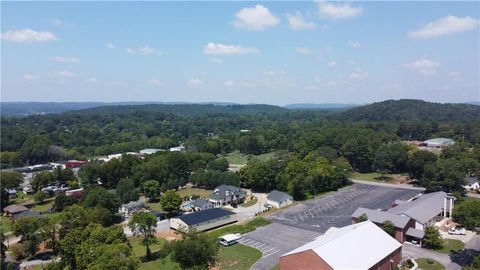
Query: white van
(229,239)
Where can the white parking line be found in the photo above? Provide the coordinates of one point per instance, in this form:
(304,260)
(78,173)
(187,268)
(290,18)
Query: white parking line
(266,255)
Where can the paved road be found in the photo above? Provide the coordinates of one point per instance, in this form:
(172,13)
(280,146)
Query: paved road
(275,240)
(299,224)
(474,243)
(417,252)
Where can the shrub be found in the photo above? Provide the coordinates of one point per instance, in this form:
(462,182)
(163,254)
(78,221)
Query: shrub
(18,252)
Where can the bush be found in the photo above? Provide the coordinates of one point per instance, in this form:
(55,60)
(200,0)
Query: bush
(18,252)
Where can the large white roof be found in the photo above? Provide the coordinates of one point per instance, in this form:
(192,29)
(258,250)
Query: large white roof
(358,246)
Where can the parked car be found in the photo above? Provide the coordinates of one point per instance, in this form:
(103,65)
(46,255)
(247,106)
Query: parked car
(229,239)
(457,231)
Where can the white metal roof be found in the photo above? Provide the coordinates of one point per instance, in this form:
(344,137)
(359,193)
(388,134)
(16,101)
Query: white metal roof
(358,246)
(231,237)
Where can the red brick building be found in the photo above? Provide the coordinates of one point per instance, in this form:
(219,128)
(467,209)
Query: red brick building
(359,246)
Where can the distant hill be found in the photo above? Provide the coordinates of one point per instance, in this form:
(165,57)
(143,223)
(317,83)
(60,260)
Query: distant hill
(320,106)
(411,110)
(35,108)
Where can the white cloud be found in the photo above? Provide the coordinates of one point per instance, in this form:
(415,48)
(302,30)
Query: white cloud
(332,63)
(28,35)
(61,74)
(110,45)
(64,59)
(354,44)
(303,50)
(269,73)
(58,23)
(358,74)
(30,77)
(424,66)
(229,83)
(256,18)
(91,80)
(337,10)
(195,82)
(219,49)
(154,82)
(297,22)
(445,26)
(143,50)
(216,60)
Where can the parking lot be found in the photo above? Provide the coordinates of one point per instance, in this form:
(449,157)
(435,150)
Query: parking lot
(335,210)
(297,225)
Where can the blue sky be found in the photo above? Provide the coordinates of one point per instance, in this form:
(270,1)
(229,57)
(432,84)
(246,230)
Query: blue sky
(245,52)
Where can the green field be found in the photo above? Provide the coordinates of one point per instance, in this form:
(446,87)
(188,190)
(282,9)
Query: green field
(21,197)
(237,257)
(6,224)
(139,249)
(450,245)
(203,193)
(249,203)
(43,207)
(425,265)
(239,159)
(165,264)
(375,177)
(237,228)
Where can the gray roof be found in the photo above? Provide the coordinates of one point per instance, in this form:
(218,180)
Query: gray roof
(278,196)
(15,208)
(439,141)
(471,180)
(133,204)
(205,215)
(424,208)
(220,193)
(379,217)
(415,233)
(28,213)
(200,203)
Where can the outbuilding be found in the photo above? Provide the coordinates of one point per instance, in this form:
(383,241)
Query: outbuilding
(279,199)
(203,220)
(15,209)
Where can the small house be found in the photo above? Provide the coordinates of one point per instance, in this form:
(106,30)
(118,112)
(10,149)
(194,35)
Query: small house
(131,207)
(15,209)
(471,183)
(279,199)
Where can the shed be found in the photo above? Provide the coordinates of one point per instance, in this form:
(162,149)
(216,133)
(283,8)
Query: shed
(279,199)
(15,209)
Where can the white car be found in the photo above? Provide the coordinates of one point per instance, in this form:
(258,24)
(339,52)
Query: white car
(229,239)
(457,231)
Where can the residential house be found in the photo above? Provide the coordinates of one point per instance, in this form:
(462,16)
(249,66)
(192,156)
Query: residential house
(203,220)
(12,193)
(129,208)
(471,183)
(179,148)
(225,194)
(279,199)
(14,209)
(359,246)
(201,204)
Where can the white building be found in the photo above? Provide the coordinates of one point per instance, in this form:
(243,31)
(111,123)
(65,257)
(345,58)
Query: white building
(149,151)
(471,183)
(179,148)
(439,142)
(279,199)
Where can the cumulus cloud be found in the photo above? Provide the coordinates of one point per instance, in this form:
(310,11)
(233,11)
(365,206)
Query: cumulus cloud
(256,18)
(219,49)
(143,50)
(61,74)
(229,83)
(297,22)
(358,74)
(424,66)
(28,35)
(110,45)
(195,82)
(154,82)
(328,10)
(64,59)
(91,80)
(354,44)
(303,50)
(30,77)
(332,63)
(445,26)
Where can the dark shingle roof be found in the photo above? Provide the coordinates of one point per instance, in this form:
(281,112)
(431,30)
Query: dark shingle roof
(278,196)
(220,193)
(471,180)
(28,213)
(204,215)
(15,208)
(200,202)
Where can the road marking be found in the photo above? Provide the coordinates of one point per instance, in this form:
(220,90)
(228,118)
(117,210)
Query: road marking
(270,254)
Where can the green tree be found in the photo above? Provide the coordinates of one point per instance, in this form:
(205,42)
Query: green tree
(418,161)
(40,196)
(151,189)
(220,164)
(35,149)
(144,223)
(389,227)
(62,201)
(467,213)
(170,201)
(73,217)
(195,250)
(11,179)
(42,179)
(27,227)
(432,238)
(361,218)
(126,190)
(99,196)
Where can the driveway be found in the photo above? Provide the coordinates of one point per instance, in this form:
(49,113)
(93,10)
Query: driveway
(416,252)
(244,213)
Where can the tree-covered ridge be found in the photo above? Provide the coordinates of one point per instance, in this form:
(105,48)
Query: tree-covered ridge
(412,110)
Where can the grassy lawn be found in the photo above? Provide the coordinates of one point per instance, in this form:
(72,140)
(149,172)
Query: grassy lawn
(237,158)
(450,245)
(139,249)
(203,193)
(6,224)
(249,203)
(425,265)
(155,206)
(166,264)
(21,197)
(237,228)
(375,177)
(43,207)
(238,257)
